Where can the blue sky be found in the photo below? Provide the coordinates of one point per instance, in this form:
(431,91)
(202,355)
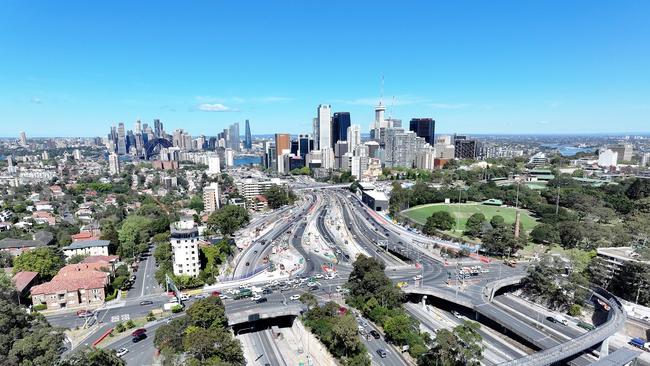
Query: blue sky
(73,68)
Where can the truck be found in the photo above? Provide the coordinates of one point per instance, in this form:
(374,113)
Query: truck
(640,343)
(243,293)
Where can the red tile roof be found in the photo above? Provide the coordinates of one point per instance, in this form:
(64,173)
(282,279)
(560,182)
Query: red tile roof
(22,279)
(84,235)
(68,284)
(105,259)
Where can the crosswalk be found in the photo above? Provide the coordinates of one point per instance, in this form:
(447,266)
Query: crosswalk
(120,318)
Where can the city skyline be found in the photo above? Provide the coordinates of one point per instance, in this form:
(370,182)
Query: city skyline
(507,68)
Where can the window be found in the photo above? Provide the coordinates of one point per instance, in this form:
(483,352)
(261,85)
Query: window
(180,271)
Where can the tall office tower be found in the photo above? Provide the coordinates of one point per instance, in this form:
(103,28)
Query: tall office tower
(315,133)
(214,165)
(139,143)
(248,140)
(145,127)
(393,123)
(138,127)
(425,128)
(295,144)
(211,198)
(282,143)
(328,158)
(121,139)
(158,128)
(23,138)
(233,136)
(304,145)
(112,138)
(130,141)
(177,140)
(354,137)
(324,126)
(113,164)
(76,154)
(229,157)
(201,142)
(340,125)
(11,168)
(465,148)
(184,237)
(373,149)
(340,149)
(187,142)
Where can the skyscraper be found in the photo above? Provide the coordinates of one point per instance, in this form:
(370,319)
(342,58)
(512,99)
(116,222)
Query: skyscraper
(282,143)
(324,127)
(248,140)
(425,128)
(23,138)
(158,128)
(233,136)
(340,124)
(315,133)
(353,137)
(304,145)
(121,139)
(113,164)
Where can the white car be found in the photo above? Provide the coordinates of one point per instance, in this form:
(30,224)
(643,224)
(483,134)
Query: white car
(339,288)
(256,297)
(318,276)
(418,277)
(224,296)
(294,297)
(184,297)
(121,352)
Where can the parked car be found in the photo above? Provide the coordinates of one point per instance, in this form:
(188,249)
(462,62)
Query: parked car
(294,297)
(261,300)
(146,302)
(121,352)
(200,296)
(84,313)
(215,293)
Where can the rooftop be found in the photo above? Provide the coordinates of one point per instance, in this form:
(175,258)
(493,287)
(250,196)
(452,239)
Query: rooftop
(377,195)
(23,279)
(8,243)
(87,244)
(625,254)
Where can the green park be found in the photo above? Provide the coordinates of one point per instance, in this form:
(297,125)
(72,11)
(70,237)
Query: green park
(462,212)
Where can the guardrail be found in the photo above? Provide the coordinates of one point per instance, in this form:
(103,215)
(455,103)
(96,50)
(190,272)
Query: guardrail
(577,345)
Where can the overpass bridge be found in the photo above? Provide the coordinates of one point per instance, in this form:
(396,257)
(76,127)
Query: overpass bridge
(552,351)
(240,316)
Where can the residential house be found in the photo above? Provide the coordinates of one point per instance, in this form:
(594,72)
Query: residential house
(18,246)
(86,247)
(43,206)
(44,217)
(86,235)
(23,281)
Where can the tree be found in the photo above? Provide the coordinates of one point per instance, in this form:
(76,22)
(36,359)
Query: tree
(208,312)
(77,258)
(640,188)
(474,224)
(196,203)
(6,259)
(134,231)
(84,356)
(545,234)
(228,219)
(199,342)
(399,328)
(461,346)
(27,339)
(497,220)
(277,196)
(309,299)
(440,220)
(571,234)
(471,349)
(45,260)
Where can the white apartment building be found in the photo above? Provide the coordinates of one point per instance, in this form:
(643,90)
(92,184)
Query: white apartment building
(354,137)
(607,158)
(324,126)
(113,164)
(211,198)
(214,165)
(184,237)
(251,188)
(230,157)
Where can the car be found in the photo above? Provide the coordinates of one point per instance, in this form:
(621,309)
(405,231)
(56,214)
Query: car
(121,352)
(261,300)
(294,297)
(375,334)
(456,314)
(139,337)
(318,276)
(248,263)
(256,297)
(200,296)
(84,313)
(417,278)
(224,296)
(215,293)
(137,332)
(146,302)
(381,353)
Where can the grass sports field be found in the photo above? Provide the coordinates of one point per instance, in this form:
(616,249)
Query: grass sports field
(462,212)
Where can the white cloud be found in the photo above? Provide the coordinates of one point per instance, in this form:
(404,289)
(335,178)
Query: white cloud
(240,100)
(215,107)
(397,101)
(36,100)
